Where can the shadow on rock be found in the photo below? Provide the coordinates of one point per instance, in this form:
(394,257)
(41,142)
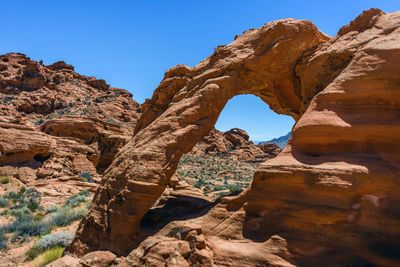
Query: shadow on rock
(179,207)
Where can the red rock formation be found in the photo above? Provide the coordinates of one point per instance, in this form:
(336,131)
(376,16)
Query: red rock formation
(20,143)
(237,143)
(271,149)
(184,108)
(56,124)
(330,198)
(39,93)
(67,125)
(106,138)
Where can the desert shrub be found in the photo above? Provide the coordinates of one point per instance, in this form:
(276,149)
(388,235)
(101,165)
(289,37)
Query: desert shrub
(219,187)
(66,215)
(4,212)
(4,180)
(49,241)
(76,200)
(11,195)
(61,239)
(22,205)
(52,208)
(3,202)
(86,177)
(48,257)
(29,198)
(235,188)
(27,226)
(20,212)
(199,183)
(3,240)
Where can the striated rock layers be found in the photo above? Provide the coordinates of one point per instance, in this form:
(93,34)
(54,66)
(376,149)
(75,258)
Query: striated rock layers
(37,92)
(331,197)
(56,124)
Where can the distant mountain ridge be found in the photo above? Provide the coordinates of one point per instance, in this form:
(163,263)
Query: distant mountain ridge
(280,141)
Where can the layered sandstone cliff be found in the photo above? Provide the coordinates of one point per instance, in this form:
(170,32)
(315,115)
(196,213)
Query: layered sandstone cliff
(56,124)
(331,197)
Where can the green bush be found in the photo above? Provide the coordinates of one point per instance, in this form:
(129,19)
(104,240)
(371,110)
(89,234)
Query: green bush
(29,198)
(66,215)
(52,208)
(27,226)
(4,180)
(49,241)
(48,257)
(3,202)
(86,177)
(219,187)
(3,240)
(11,195)
(76,200)
(20,213)
(235,188)
(4,212)
(23,205)
(200,182)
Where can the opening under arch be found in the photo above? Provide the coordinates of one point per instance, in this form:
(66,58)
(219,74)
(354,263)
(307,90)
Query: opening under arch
(248,112)
(223,162)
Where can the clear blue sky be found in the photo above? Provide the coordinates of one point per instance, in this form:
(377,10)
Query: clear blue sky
(130,44)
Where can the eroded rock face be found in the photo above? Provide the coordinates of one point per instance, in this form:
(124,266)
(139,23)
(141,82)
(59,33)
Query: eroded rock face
(38,93)
(210,240)
(236,142)
(20,143)
(271,149)
(105,138)
(56,124)
(331,197)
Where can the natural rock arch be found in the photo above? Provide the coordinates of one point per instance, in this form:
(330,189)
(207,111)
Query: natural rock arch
(321,179)
(184,108)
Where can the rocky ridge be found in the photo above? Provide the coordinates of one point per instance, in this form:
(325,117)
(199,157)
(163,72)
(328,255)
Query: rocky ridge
(56,124)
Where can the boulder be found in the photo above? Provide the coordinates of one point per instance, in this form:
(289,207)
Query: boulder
(97,259)
(66,261)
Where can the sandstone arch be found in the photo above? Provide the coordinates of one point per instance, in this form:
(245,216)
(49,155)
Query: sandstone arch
(331,170)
